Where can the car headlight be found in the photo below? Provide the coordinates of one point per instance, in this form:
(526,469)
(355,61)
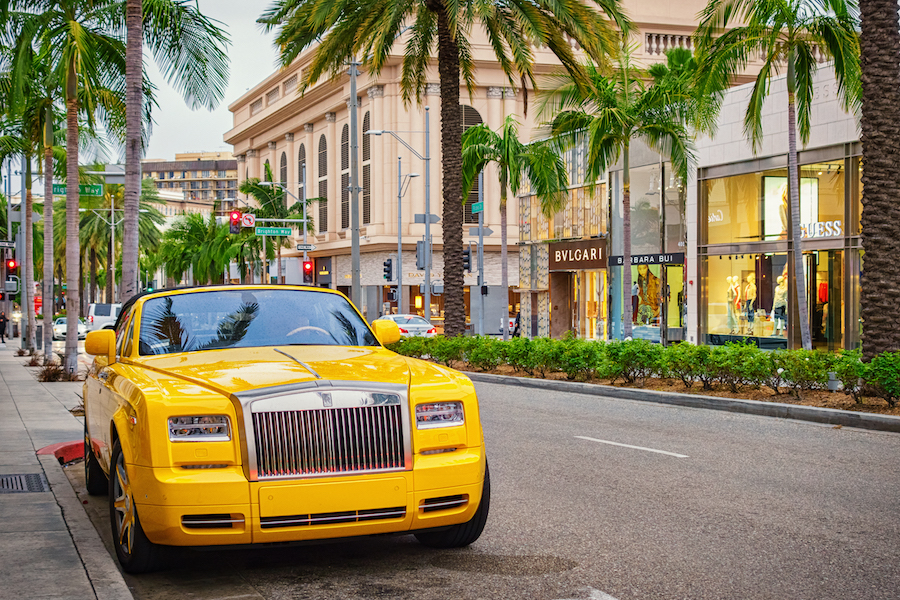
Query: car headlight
(212,428)
(439,414)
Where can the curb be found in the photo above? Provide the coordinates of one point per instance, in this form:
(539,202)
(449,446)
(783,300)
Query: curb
(828,416)
(102,572)
(64,451)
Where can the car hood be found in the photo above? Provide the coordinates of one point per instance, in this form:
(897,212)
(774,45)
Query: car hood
(236,370)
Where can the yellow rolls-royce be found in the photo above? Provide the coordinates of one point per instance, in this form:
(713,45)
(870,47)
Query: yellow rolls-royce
(229,415)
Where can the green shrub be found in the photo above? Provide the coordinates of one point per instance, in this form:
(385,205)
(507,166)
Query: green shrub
(689,363)
(884,374)
(415,347)
(738,364)
(545,355)
(517,354)
(634,360)
(776,362)
(579,359)
(806,369)
(447,350)
(851,371)
(484,353)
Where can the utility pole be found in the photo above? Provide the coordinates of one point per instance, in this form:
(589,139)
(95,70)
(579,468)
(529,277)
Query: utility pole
(481,254)
(356,291)
(427,221)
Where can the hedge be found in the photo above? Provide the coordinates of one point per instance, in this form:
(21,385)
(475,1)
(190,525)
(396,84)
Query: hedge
(734,366)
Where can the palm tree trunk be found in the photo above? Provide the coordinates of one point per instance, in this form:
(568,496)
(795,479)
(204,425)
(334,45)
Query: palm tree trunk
(92,266)
(110,270)
(880,280)
(451,158)
(280,280)
(49,294)
(134,102)
(504,269)
(794,192)
(627,310)
(28,240)
(73,253)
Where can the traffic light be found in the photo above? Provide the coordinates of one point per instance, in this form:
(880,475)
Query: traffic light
(11,265)
(467,260)
(389,269)
(236,217)
(307,271)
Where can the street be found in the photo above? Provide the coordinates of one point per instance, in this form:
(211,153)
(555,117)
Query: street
(596,498)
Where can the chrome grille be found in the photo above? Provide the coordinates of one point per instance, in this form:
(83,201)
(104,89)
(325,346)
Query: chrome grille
(331,441)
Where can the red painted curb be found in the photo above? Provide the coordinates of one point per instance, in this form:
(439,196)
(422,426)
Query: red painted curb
(65,451)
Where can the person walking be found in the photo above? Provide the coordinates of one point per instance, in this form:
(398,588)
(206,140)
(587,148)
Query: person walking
(3,322)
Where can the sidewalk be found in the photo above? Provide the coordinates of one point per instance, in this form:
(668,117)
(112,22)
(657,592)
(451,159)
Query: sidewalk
(48,547)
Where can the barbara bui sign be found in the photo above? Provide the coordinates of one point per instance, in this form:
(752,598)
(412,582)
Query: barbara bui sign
(650,259)
(578,256)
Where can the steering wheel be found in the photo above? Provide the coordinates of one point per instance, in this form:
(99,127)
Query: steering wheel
(316,331)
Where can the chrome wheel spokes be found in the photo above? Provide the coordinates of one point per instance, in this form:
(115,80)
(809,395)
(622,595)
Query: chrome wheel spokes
(124,505)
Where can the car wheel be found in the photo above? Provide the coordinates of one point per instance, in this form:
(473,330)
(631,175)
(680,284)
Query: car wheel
(95,480)
(458,536)
(135,552)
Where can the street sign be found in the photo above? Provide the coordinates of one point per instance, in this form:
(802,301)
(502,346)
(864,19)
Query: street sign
(420,218)
(248,219)
(486,230)
(306,247)
(477,207)
(83,189)
(5,244)
(273,231)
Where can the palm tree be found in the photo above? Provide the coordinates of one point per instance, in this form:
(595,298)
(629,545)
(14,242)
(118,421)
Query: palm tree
(190,49)
(539,162)
(655,106)
(201,245)
(785,34)
(273,205)
(343,29)
(879,44)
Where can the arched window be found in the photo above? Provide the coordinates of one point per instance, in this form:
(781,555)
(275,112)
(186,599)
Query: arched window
(283,168)
(366,172)
(470,118)
(323,184)
(301,173)
(267,168)
(345,177)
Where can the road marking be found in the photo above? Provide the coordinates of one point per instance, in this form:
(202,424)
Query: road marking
(595,595)
(581,437)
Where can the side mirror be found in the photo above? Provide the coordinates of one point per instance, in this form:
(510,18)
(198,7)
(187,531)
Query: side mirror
(100,342)
(387,332)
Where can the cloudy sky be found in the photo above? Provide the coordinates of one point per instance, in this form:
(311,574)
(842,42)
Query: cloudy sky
(179,129)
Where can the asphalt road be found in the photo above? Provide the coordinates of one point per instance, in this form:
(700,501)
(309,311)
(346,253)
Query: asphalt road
(733,507)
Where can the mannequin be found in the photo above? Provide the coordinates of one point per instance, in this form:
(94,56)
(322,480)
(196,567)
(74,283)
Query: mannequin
(779,306)
(750,298)
(731,294)
(648,296)
(736,302)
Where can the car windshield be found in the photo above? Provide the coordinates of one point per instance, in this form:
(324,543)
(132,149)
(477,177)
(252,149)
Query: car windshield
(249,318)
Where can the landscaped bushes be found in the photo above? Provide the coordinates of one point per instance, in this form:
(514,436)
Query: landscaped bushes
(733,366)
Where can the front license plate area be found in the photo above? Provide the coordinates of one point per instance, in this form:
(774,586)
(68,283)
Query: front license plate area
(338,496)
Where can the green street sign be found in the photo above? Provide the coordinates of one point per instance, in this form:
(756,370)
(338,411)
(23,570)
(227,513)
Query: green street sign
(83,189)
(477,207)
(273,231)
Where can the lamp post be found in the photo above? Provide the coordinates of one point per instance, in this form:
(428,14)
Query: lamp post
(400,180)
(427,159)
(112,237)
(283,187)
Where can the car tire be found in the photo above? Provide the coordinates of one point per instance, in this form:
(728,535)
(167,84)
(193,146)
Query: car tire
(135,552)
(95,480)
(459,536)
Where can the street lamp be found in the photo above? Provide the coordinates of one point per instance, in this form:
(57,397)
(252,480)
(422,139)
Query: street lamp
(112,236)
(427,159)
(400,181)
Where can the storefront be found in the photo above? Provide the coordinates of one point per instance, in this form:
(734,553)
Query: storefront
(747,275)
(578,288)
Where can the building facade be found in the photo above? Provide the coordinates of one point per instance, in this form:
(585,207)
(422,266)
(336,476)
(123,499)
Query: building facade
(203,179)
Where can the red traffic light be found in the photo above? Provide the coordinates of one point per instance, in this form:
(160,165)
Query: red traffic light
(307,266)
(12,265)
(235,216)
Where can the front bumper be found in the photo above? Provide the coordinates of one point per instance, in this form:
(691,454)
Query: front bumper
(181,507)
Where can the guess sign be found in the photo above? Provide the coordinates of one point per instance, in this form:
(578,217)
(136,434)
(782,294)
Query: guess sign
(578,256)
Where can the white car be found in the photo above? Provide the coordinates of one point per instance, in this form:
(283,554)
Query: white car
(59,329)
(411,325)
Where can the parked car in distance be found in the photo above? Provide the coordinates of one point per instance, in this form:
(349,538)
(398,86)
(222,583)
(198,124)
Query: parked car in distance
(99,315)
(411,325)
(286,419)
(59,329)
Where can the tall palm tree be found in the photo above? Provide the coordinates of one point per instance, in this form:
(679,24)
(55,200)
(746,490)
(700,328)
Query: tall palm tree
(880,53)
(190,49)
(539,162)
(656,105)
(199,244)
(343,29)
(786,34)
(87,62)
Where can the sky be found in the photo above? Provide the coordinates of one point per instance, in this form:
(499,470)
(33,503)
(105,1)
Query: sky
(177,128)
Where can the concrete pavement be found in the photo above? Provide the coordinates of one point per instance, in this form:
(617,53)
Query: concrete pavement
(48,546)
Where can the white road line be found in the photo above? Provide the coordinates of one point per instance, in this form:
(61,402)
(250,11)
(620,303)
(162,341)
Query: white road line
(595,595)
(581,437)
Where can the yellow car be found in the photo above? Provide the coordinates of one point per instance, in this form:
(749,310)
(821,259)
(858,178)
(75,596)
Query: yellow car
(256,414)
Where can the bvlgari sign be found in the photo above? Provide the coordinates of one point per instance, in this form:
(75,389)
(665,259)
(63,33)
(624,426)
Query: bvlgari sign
(578,256)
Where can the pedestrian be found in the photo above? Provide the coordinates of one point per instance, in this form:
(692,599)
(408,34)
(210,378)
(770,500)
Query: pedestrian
(518,325)
(3,322)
